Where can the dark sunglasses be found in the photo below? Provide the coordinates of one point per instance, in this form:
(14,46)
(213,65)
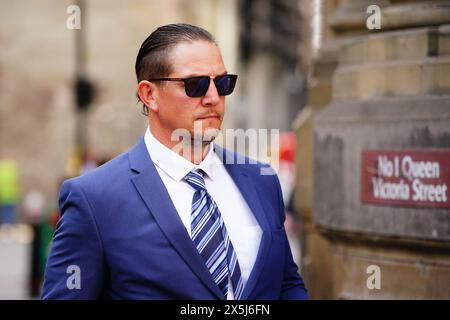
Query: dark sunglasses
(198,86)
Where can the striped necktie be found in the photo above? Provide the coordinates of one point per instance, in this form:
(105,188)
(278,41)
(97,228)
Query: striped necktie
(210,236)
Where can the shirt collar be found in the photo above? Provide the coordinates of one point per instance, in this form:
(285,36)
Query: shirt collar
(175,165)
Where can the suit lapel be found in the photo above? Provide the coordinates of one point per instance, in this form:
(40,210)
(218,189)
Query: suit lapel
(152,190)
(250,194)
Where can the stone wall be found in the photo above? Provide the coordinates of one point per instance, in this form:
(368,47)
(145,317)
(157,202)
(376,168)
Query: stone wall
(390,90)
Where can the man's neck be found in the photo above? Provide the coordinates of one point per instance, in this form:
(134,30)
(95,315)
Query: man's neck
(192,150)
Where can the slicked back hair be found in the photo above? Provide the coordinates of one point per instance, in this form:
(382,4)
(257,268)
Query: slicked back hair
(153,61)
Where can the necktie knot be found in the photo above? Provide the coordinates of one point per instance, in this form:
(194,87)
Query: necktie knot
(195,179)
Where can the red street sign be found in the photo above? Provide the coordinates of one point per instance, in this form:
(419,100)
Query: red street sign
(418,178)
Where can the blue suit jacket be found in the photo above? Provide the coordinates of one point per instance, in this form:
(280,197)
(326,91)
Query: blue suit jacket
(120,229)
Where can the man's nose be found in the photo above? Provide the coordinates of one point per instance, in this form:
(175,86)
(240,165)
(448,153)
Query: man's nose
(212,96)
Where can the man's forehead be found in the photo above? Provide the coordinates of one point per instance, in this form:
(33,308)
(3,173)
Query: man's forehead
(195,58)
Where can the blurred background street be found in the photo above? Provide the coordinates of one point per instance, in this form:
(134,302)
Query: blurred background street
(358,90)
(14,266)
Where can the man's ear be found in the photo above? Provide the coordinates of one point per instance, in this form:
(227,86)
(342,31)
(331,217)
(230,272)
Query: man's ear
(147,92)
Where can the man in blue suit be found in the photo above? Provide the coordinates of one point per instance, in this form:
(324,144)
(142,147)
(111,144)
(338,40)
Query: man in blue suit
(175,218)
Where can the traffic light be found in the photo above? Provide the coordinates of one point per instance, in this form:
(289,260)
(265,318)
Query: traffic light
(84,93)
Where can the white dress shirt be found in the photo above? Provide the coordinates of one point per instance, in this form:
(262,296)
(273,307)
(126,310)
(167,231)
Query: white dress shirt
(243,229)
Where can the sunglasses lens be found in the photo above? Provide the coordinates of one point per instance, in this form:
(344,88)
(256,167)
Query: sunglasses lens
(225,84)
(196,87)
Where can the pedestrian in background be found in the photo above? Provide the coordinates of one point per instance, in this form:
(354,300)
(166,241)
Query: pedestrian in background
(9,198)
